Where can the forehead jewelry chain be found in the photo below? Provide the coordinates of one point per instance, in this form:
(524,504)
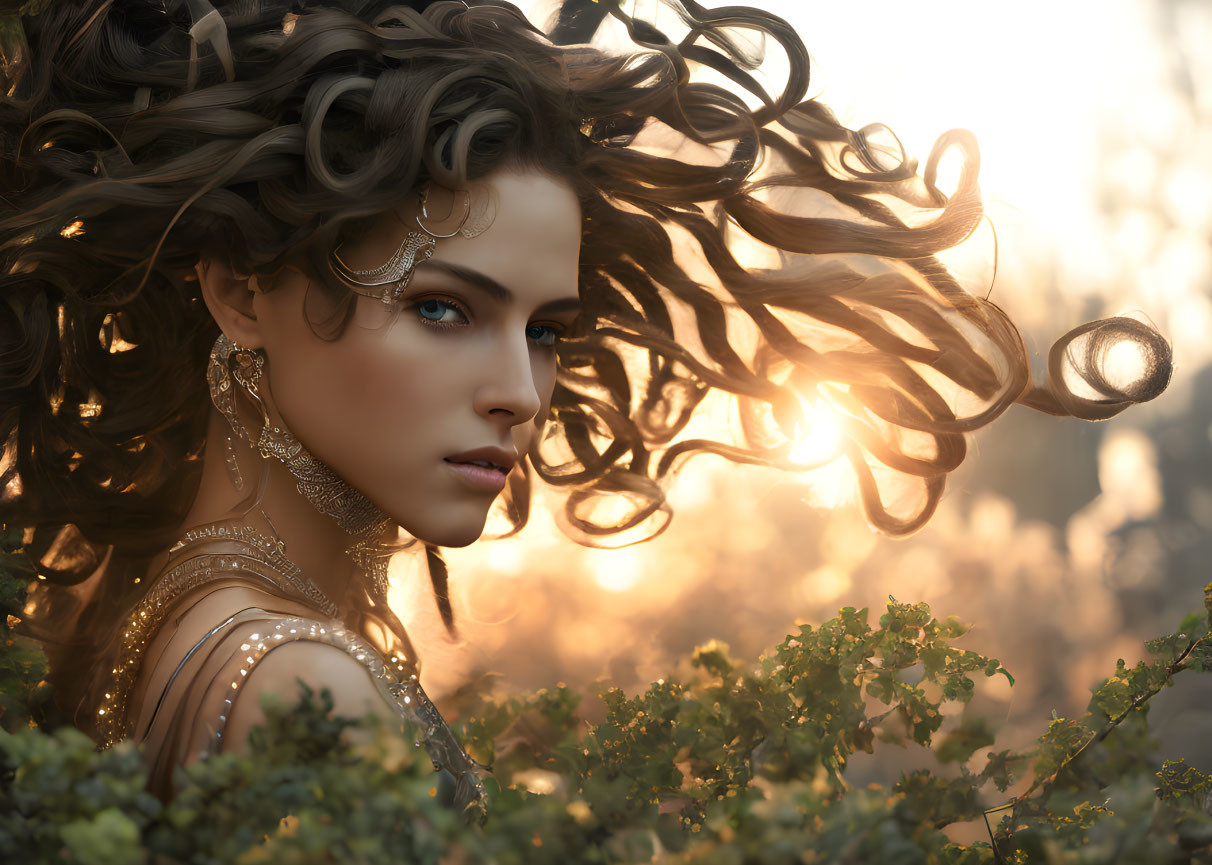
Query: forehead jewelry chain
(389,280)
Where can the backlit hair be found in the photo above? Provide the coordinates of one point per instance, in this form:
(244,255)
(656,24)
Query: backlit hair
(129,148)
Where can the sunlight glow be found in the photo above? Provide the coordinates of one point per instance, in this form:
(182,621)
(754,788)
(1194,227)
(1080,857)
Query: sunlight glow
(829,481)
(823,440)
(831,486)
(1125,363)
(826,583)
(617,570)
(1128,474)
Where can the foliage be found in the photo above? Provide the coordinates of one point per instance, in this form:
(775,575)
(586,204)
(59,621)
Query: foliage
(22,664)
(735,763)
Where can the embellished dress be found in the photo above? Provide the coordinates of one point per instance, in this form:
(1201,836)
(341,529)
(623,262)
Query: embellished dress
(175,699)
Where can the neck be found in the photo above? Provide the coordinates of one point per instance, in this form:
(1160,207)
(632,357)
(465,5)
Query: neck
(312,540)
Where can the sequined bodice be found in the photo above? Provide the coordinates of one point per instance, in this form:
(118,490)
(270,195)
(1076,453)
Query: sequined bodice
(188,716)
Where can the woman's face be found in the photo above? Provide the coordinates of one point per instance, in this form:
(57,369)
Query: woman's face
(463,361)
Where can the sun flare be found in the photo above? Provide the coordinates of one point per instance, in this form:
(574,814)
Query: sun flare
(822,441)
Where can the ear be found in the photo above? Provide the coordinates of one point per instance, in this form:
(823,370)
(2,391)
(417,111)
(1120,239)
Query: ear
(229,297)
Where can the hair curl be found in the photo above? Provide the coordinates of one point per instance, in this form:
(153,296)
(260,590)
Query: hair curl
(137,135)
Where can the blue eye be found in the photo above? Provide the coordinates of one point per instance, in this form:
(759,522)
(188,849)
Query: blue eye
(545,335)
(438,311)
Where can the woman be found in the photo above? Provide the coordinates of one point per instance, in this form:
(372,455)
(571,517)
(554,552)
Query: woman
(281,280)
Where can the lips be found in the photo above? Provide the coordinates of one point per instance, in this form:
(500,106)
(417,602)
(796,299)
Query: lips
(500,459)
(484,469)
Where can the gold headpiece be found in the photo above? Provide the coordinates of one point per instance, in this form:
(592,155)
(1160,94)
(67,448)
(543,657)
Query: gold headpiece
(387,281)
(471,212)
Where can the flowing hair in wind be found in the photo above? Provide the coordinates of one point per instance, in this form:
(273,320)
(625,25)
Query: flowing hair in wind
(137,135)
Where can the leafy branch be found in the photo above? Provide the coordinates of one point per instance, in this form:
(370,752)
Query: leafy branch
(736,762)
(1123,696)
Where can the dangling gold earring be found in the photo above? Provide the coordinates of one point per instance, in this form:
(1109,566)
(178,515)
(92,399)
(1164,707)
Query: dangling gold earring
(320,485)
(230,363)
(233,464)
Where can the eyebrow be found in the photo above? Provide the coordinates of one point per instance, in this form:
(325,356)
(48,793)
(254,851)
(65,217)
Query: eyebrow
(494,289)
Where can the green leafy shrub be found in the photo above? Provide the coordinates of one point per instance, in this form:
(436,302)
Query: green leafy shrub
(737,763)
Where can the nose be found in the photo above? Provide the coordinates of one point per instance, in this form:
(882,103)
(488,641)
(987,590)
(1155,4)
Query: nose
(508,395)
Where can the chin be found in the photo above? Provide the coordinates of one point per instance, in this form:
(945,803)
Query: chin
(450,533)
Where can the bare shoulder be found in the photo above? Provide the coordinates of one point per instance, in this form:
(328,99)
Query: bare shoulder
(318,665)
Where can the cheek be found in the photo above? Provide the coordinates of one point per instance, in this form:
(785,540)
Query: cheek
(356,401)
(395,393)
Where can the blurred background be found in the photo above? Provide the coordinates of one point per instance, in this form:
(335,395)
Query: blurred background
(1065,543)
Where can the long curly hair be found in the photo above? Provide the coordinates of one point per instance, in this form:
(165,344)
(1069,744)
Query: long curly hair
(138,135)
